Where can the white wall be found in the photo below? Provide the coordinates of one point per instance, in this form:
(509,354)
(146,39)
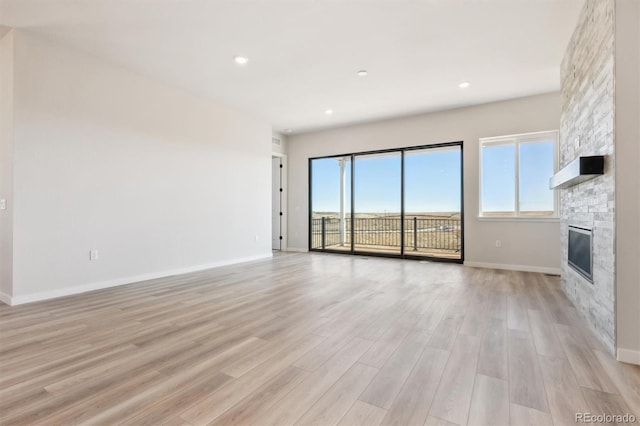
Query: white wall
(282,148)
(627,128)
(4,30)
(6,160)
(154,178)
(532,245)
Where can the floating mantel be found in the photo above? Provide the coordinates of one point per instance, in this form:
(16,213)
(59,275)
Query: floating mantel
(577,171)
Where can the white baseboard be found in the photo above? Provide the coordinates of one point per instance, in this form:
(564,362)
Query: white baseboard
(522,268)
(5,298)
(67,291)
(629,356)
(297,249)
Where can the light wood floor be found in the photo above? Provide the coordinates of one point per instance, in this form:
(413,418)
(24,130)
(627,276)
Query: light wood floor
(363,248)
(311,339)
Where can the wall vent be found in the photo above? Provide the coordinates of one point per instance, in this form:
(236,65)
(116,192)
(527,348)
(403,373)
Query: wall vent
(275,141)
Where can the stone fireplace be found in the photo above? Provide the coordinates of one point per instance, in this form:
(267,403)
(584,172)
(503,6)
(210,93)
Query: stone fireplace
(587,128)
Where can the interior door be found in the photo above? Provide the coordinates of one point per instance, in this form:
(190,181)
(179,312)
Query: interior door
(276,203)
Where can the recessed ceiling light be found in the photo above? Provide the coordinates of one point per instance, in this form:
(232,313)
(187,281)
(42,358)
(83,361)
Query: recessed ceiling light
(241,60)
(328,111)
(288,130)
(464,85)
(362,73)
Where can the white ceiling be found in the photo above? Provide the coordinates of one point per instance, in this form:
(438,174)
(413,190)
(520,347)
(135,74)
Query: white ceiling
(304,54)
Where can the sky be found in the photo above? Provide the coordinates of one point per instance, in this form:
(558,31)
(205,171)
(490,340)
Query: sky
(432,180)
(498,177)
(432,183)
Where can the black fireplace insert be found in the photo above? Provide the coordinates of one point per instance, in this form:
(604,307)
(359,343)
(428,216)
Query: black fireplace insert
(580,251)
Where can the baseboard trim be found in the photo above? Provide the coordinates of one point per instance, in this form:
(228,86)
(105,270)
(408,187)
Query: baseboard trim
(68,291)
(5,298)
(508,267)
(629,356)
(297,249)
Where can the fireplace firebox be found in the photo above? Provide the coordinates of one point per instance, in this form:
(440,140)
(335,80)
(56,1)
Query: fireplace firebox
(580,251)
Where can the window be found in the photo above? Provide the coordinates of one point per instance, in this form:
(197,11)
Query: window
(514,176)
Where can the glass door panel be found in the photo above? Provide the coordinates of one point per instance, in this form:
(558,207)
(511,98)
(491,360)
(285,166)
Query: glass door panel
(377,203)
(330,203)
(433,198)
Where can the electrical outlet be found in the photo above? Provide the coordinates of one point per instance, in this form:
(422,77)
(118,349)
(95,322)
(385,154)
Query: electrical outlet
(257,237)
(3,204)
(498,243)
(93,254)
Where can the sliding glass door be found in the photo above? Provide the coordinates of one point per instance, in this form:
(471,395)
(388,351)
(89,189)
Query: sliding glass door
(377,204)
(433,202)
(331,204)
(400,203)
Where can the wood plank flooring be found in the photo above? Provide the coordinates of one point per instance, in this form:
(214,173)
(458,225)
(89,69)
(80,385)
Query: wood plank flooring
(311,339)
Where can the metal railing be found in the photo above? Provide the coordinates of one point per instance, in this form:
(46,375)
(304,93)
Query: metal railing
(419,233)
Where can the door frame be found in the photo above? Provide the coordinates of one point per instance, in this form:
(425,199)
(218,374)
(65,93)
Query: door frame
(402,151)
(283,199)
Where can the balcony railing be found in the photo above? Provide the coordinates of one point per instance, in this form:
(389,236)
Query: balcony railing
(419,233)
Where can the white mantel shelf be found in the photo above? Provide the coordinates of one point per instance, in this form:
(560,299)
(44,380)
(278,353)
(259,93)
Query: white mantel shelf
(579,170)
